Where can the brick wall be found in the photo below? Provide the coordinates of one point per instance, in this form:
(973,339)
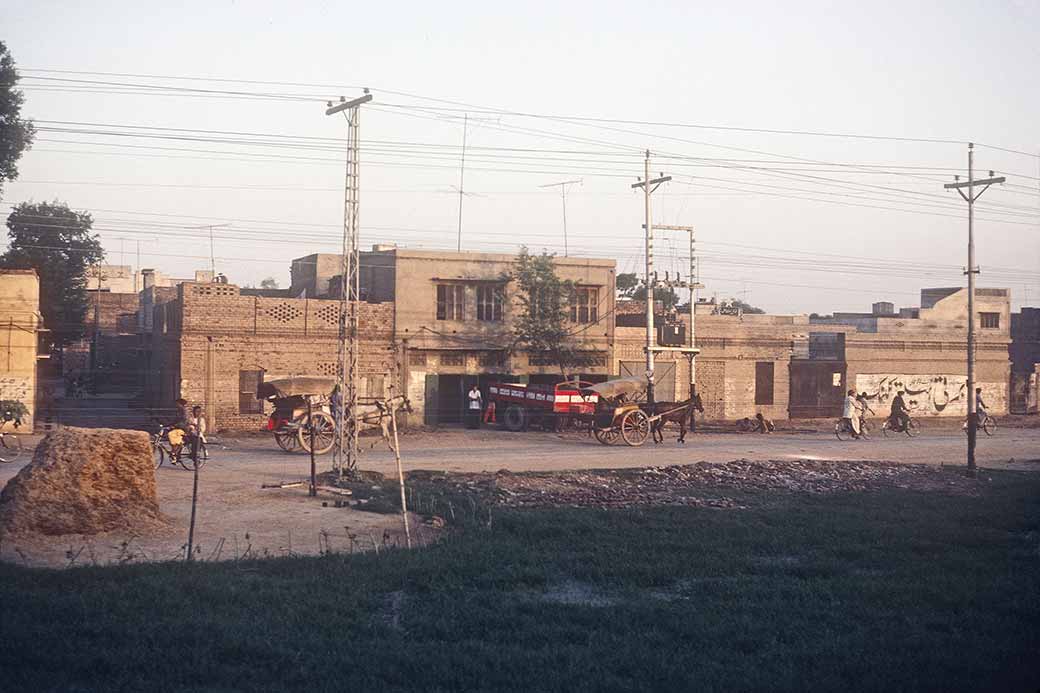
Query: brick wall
(211,333)
(117,312)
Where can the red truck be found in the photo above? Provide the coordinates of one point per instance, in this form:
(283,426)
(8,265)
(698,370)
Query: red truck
(517,406)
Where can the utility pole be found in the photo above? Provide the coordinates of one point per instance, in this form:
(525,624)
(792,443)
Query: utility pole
(691,350)
(345,455)
(563,195)
(651,339)
(971,271)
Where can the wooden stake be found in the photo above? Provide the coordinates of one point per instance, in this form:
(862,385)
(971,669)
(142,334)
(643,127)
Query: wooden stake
(400,477)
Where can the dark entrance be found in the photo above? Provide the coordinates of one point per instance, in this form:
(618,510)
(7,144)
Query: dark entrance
(817,389)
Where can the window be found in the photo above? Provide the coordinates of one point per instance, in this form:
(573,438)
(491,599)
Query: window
(585,306)
(989,321)
(417,358)
(489,303)
(248,384)
(450,359)
(451,301)
(764,382)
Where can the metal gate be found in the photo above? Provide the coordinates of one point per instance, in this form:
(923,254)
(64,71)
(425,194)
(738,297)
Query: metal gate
(817,389)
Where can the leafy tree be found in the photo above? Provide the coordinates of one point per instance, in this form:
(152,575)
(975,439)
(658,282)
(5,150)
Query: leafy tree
(734,306)
(58,243)
(630,286)
(626,283)
(16,134)
(269,283)
(542,326)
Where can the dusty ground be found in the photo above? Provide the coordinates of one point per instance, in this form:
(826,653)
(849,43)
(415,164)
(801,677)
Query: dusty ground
(236,515)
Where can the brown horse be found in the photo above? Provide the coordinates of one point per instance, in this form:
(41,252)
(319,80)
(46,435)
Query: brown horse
(673,412)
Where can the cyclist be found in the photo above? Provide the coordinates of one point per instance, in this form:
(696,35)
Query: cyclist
(900,415)
(864,410)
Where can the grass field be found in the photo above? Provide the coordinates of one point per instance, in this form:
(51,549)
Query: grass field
(883,590)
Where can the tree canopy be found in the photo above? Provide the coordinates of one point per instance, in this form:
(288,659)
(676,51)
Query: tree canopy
(16,134)
(269,283)
(541,326)
(58,243)
(734,306)
(630,286)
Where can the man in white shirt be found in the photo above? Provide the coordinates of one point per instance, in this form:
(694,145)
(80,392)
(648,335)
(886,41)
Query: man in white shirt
(474,407)
(850,413)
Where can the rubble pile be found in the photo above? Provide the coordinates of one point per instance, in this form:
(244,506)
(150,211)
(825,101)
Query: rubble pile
(702,484)
(84,481)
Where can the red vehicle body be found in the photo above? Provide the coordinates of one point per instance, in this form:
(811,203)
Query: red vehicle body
(517,405)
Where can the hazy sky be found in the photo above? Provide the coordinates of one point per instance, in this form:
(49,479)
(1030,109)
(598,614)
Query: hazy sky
(800,223)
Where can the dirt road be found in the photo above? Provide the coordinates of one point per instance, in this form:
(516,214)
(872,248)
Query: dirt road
(283,521)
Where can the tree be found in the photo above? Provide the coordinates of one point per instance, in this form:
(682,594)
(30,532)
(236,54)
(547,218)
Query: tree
(541,326)
(16,135)
(734,306)
(630,286)
(269,283)
(58,243)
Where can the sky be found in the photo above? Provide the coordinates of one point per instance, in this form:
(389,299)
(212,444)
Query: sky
(546,93)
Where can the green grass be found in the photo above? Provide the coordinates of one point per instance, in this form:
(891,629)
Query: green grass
(887,590)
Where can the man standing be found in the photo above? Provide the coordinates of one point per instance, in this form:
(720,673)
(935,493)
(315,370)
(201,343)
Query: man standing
(474,407)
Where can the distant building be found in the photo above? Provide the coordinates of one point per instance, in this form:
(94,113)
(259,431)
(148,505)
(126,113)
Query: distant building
(20,319)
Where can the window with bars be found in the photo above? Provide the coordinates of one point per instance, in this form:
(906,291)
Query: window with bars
(451,301)
(585,306)
(989,321)
(489,303)
(248,384)
(453,359)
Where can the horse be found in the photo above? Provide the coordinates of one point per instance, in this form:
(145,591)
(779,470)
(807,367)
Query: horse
(674,412)
(378,415)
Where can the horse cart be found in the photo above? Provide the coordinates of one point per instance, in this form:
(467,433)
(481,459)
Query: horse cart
(619,415)
(293,398)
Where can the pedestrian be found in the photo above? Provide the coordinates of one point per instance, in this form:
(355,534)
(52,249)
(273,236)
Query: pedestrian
(199,424)
(474,408)
(850,413)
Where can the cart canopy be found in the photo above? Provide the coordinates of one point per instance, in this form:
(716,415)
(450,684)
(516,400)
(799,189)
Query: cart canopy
(622,386)
(292,387)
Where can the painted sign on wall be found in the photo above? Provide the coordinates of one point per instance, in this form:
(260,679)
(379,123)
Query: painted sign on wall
(928,395)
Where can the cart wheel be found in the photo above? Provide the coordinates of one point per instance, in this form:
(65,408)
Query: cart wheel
(607,436)
(515,418)
(324,433)
(635,427)
(286,441)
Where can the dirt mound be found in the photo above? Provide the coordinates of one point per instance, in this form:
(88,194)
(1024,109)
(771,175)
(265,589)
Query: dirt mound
(84,481)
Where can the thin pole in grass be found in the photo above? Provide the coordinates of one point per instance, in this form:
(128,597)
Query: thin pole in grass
(314,479)
(400,477)
(194,502)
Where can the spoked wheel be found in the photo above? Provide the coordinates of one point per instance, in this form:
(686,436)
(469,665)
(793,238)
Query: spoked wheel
(10,448)
(607,436)
(324,433)
(989,426)
(886,428)
(159,453)
(841,431)
(911,428)
(287,441)
(635,427)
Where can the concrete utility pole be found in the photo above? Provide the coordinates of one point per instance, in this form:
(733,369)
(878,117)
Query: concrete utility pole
(345,454)
(651,339)
(971,271)
(212,258)
(462,178)
(563,196)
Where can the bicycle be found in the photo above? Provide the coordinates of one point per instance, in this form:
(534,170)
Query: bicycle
(893,426)
(843,431)
(987,424)
(10,447)
(163,448)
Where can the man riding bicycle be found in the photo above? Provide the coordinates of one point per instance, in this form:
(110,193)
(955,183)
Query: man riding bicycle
(900,415)
(980,408)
